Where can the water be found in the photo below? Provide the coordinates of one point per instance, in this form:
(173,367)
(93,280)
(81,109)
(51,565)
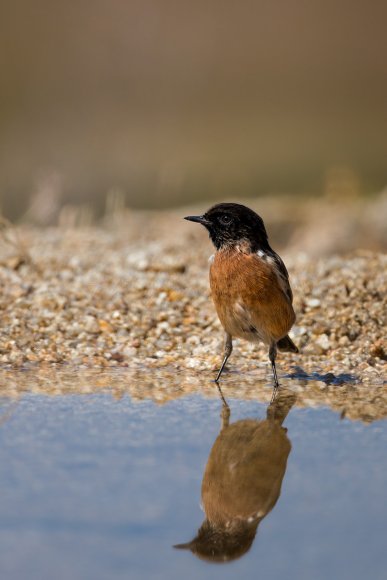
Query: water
(101,486)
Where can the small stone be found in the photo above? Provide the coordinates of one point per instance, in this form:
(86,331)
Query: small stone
(323,342)
(129,351)
(104,326)
(174,296)
(91,325)
(379,350)
(313,302)
(298,331)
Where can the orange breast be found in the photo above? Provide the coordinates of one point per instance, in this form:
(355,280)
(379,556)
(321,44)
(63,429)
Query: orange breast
(248,297)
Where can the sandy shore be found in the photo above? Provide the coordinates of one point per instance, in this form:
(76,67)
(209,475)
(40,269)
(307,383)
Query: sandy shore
(127,307)
(136,295)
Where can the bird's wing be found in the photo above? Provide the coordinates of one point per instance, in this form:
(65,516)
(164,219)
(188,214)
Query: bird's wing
(281,271)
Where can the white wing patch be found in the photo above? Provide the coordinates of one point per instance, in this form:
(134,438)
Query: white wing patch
(281,277)
(211,259)
(261,254)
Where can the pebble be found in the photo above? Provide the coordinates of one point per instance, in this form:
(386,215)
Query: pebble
(323,341)
(91,325)
(313,302)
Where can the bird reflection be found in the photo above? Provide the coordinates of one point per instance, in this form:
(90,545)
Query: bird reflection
(242,480)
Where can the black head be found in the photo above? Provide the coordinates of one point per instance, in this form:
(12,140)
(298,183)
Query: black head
(231,223)
(218,544)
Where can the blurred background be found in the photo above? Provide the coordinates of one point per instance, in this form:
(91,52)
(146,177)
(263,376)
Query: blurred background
(163,103)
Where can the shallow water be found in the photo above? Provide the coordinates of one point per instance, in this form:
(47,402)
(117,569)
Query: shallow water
(101,486)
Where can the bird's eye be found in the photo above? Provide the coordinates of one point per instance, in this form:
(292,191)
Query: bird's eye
(225,220)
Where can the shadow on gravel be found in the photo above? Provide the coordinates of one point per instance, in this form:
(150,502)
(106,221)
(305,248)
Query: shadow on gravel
(327,378)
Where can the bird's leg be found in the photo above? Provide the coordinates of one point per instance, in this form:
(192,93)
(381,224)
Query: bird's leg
(272,356)
(225,413)
(225,416)
(227,352)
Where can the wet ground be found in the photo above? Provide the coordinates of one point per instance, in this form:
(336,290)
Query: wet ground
(101,476)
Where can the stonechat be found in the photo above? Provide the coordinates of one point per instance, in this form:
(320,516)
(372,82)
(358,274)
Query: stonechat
(249,281)
(242,481)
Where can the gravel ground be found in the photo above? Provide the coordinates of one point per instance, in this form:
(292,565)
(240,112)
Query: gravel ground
(135,294)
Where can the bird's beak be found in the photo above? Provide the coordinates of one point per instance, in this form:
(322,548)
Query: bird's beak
(186,546)
(200,219)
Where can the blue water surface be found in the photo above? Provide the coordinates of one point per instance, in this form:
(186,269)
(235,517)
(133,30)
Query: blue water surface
(93,487)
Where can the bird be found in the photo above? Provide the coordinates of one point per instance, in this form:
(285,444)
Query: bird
(242,480)
(249,282)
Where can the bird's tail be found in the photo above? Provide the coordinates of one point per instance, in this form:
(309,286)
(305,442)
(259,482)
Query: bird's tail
(286,344)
